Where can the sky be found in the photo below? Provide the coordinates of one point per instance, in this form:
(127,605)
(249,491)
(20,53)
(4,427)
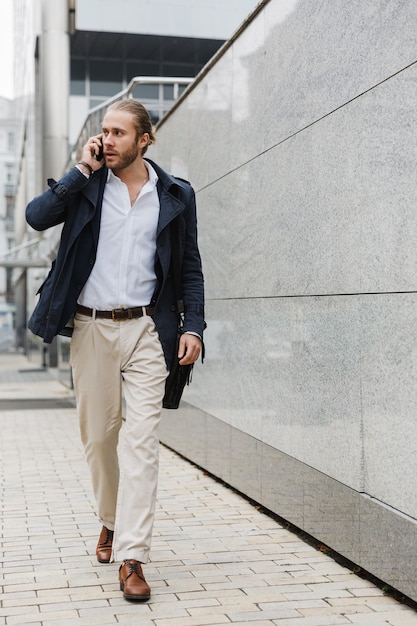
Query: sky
(6,48)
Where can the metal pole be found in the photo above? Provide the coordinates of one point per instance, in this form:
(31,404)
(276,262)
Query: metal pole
(55,80)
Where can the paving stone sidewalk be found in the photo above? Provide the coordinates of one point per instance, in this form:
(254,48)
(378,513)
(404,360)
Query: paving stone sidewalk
(215,558)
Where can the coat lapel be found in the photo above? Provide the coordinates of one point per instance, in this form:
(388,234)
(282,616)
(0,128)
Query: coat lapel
(170,205)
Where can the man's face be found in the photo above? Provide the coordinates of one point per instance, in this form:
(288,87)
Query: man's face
(121,145)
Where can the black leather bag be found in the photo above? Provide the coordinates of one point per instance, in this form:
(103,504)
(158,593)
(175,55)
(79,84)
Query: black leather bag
(179,375)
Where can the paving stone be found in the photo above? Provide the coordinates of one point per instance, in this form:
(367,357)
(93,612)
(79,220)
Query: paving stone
(215,558)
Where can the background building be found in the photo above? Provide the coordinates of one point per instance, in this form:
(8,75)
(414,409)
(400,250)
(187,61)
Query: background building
(8,169)
(110,46)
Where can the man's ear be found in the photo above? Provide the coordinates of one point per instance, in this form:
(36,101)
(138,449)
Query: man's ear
(143,140)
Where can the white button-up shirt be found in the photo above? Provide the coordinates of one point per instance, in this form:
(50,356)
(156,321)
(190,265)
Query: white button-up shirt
(124,272)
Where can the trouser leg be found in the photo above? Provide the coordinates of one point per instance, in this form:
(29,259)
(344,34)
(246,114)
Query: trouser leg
(144,373)
(95,365)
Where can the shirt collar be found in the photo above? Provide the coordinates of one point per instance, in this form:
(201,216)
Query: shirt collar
(153,176)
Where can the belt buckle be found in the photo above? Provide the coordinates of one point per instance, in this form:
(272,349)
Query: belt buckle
(115,312)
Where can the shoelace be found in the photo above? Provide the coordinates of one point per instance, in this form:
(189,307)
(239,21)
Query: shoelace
(133,568)
(109,537)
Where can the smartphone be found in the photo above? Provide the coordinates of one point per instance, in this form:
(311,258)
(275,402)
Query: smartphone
(100,155)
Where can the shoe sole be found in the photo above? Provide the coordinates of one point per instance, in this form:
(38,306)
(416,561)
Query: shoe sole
(133,598)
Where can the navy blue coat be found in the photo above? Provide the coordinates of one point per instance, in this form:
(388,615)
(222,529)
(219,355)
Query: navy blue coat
(76,202)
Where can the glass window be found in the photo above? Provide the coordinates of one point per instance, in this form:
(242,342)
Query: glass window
(146,92)
(141,69)
(171,69)
(10,141)
(9,207)
(106,78)
(9,173)
(78,74)
(93,102)
(168,92)
(155,116)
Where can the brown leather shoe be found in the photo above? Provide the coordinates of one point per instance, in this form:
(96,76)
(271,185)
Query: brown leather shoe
(104,546)
(132,581)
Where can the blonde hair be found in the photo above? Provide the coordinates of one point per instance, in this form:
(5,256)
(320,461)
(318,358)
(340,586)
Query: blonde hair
(141,118)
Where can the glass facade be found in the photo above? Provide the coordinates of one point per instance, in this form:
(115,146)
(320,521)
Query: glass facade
(78,77)
(103,64)
(106,78)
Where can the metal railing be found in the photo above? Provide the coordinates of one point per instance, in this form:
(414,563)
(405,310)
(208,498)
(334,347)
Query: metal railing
(26,255)
(92,125)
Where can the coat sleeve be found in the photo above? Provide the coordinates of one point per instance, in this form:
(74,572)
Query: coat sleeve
(50,208)
(192,274)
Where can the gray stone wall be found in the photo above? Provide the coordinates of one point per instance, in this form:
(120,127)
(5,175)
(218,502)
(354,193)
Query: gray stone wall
(300,141)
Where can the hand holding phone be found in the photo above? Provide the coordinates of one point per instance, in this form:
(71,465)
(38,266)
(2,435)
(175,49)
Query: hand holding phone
(100,155)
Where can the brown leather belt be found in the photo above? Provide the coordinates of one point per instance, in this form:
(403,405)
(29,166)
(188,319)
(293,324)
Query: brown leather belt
(117,314)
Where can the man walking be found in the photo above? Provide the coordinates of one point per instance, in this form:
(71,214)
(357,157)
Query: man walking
(112,281)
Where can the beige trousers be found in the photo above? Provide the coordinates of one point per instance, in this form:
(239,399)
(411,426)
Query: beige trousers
(109,359)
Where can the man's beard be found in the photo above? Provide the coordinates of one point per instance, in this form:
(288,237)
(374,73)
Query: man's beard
(127,158)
